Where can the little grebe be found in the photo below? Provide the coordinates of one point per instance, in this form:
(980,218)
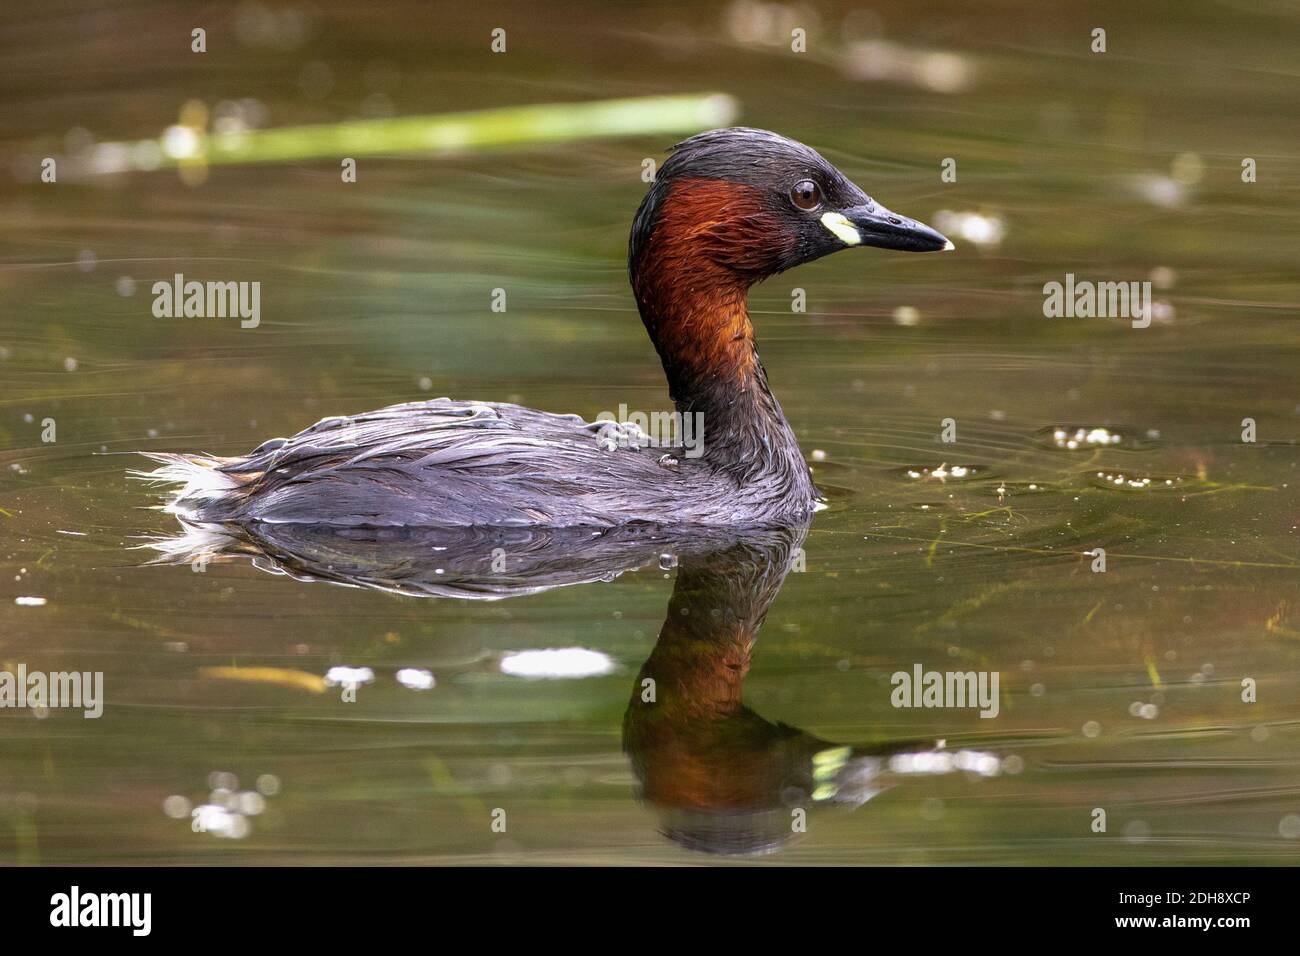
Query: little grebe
(728,209)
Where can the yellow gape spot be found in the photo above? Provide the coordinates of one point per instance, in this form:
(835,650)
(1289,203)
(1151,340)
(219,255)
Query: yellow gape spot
(841,228)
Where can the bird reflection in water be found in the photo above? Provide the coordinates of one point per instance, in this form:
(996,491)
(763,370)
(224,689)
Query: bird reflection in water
(721,778)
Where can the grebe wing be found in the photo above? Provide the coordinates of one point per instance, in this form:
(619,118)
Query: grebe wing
(446,463)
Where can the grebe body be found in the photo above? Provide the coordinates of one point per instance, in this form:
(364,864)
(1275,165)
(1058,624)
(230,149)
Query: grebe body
(728,209)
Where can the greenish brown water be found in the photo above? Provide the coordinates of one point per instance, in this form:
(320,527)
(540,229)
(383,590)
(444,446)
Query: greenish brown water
(1106,166)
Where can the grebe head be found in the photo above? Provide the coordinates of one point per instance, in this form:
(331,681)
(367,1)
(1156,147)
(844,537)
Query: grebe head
(730,208)
(754,204)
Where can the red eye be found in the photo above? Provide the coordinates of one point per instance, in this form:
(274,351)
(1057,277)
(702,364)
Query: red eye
(806,194)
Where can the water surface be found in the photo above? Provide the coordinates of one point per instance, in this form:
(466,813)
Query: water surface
(1121,690)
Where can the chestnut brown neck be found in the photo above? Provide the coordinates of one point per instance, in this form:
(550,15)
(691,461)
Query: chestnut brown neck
(710,243)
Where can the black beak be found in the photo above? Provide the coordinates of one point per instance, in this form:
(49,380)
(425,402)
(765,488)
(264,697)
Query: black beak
(877,226)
